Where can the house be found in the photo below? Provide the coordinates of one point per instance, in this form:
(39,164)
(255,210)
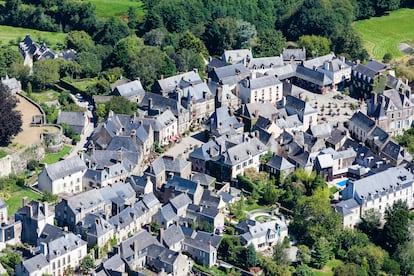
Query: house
(206,181)
(165,86)
(202,247)
(131,220)
(180,203)
(166,216)
(215,63)
(229,75)
(360,125)
(132,90)
(242,56)
(144,251)
(376,192)
(12,84)
(279,166)
(57,254)
(259,66)
(262,235)
(34,216)
(228,156)
(141,184)
(164,126)
(172,237)
(154,104)
(392,111)
(251,113)
(3,212)
(10,232)
(77,120)
(223,121)
(108,201)
(95,230)
(182,185)
(294,55)
(264,89)
(225,98)
(208,219)
(366,76)
(165,166)
(332,164)
(294,106)
(198,99)
(63,177)
(337,70)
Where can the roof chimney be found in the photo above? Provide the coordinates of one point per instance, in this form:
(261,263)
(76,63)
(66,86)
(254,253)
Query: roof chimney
(135,250)
(24,201)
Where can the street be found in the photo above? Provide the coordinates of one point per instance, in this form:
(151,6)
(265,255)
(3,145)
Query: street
(186,145)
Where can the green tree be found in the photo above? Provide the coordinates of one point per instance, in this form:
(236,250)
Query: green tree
(49,197)
(238,209)
(280,255)
(270,42)
(349,269)
(387,58)
(125,50)
(45,73)
(89,63)
(80,41)
(315,45)
(132,18)
(190,42)
(396,230)
(405,257)
(370,222)
(321,253)
(249,256)
(100,110)
(29,89)
(303,255)
(270,192)
(304,270)
(87,263)
(370,257)
(120,105)
(112,31)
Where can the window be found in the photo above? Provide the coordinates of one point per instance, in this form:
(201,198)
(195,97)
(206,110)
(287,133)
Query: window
(238,167)
(244,164)
(250,161)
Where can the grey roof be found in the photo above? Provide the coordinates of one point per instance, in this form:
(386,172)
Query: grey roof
(266,110)
(167,212)
(294,54)
(209,200)
(345,207)
(180,201)
(383,181)
(365,70)
(150,200)
(318,61)
(203,241)
(62,245)
(130,89)
(231,71)
(313,76)
(265,62)
(244,151)
(322,130)
(198,92)
(279,163)
(95,225)
(216,63)
(65,167)
(72,118)
(397,83)
(297,106)
(50,233)
(159,256)
(203,179)
(162,103)
(260,229)
(113,263)
(236,56)
(144,239)
(168,164)
(2,203)
(172,235)
(35,263)
(362,121)
(393,150)
(224,122)
(376,66)
(180,81)
(336,136)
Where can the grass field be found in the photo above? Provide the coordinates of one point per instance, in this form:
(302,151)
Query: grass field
(382,35)
(54,157)
(45,96)
(8,33)
(15,201)
(108,8)
(327,269)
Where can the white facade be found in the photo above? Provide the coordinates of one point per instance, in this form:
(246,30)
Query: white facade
(252,162)
(71,259)
(265,89)
(67,184)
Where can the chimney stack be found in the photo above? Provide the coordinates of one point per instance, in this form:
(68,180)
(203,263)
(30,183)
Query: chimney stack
(135,250)
(24,201)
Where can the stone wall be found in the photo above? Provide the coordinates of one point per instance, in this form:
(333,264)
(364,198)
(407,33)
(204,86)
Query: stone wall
(16,163)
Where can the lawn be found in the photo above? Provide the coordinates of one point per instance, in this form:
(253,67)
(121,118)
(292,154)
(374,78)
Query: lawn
(15,201)
(108,8)
(327,269)
(45,96)
(52,158)
(8,33)
(382,35)
(2,153)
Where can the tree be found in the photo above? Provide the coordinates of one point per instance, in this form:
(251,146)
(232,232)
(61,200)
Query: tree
(20,72)
(45,73)
(190,42)
(80,41)
(125,50)
(132,18)
(280,255)
(11,121)
(100,110)
(89,63)
(370,222)
(87,263)
(112,31)
(369,257)
(29,89)
(120,105)
(49,197)
(315,45)
(249,256)
(9,260)
(270,42)
(405,257)
(304,270)
(387,58)
(321,253)
(349,269)
(303,255)
(270,193)
(396,230)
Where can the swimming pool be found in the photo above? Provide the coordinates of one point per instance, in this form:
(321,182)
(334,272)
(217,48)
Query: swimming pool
(342,182)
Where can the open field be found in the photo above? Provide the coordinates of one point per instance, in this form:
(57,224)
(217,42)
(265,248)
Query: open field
(30,135)
(108,8)
(327,269)
(45,96)
(8,33)
(382,35)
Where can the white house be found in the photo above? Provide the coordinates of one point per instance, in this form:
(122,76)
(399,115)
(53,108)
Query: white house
(264,89)
(63,177)
(377,192)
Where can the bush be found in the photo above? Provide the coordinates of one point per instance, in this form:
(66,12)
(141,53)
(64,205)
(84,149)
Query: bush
(387,58)
(33,165)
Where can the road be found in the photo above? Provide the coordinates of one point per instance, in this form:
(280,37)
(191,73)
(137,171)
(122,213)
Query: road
(88,130)
(183,148)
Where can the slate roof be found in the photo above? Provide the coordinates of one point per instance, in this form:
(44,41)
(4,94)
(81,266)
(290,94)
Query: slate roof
(231,71)
(65,167)
(362,121)
(203,241)
(113,263)
(265,62)
(95,225)
(144,239)
(73,119)
(313,76)
(167,213)
(279,163)
(198,92)
(162,103)
(260,229)
(393,150)
(203,179)
(35,263)
(325,161)
(214,62)
(295,54)
(244,151)
(165,164)
(222,122)
(365,70)
(345,207)
(266,110)
(62,245)
(150,200)
(209,200)
(181,81)
(336,136)
(180,201)
(236,56)
(376,66)
(316,62)
(297,106)
(172,235)
(50,233)
(130,89)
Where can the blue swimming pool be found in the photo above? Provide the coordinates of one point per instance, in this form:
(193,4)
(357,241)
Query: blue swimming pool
(342,182)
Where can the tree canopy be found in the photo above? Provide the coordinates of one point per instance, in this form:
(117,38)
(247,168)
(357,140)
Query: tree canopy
(11,121)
